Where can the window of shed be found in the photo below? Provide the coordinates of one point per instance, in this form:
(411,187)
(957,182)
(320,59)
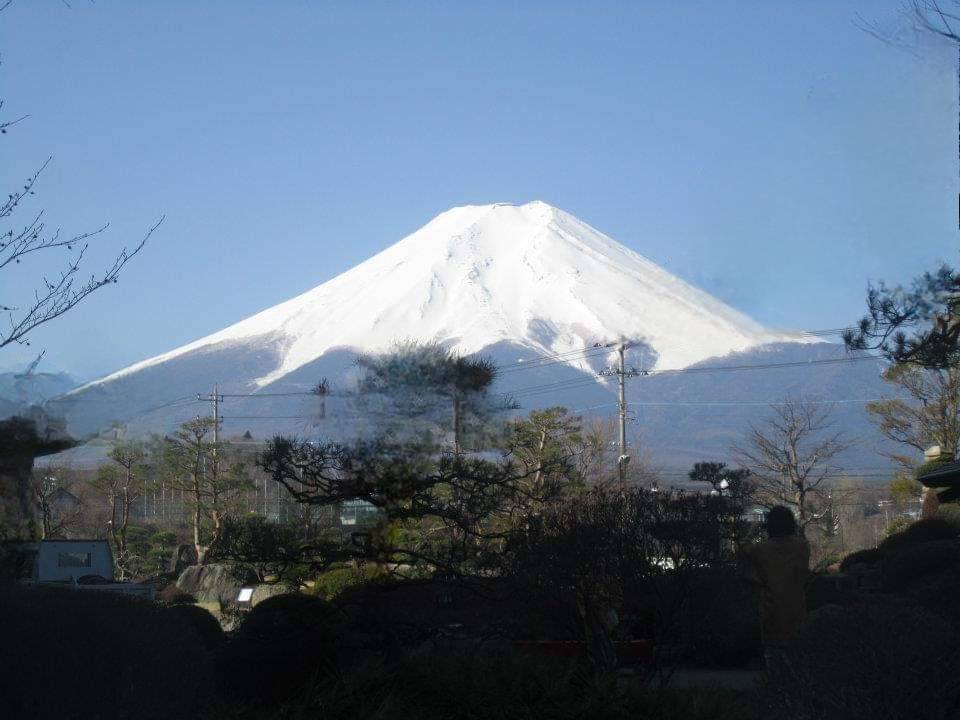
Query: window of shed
(74,559)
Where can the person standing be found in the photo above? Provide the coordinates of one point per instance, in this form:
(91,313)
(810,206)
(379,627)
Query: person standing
(779,566)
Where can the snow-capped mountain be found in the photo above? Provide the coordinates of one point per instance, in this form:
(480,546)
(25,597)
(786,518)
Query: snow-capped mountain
(512,281)
(482,274)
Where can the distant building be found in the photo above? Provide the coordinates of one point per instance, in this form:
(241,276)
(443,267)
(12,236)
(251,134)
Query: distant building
(358,512)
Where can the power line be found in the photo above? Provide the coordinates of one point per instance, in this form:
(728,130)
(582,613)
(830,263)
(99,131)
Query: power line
(721,403)
(582,382)
(600,349)
(766,366)
(187,399)
(578,382)
(270,417)
(547,361)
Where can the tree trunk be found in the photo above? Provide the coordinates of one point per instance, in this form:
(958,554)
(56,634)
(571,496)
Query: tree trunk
(456,425)
(125,520)
(538,477)
(197,521)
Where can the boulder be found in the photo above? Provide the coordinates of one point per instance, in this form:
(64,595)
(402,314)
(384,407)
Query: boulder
(216,583)
(262,592)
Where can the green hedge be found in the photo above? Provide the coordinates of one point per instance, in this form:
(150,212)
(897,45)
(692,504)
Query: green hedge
(333,582)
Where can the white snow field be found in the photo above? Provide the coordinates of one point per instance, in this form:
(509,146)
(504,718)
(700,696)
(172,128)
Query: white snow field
(530,274)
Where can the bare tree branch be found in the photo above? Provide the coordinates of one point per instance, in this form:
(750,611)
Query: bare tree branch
(60,295)
(791,459)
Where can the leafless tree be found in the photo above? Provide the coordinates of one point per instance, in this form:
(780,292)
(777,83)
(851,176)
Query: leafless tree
(56,293)
(792,457)
(58,509)
(936,17)
(940,18)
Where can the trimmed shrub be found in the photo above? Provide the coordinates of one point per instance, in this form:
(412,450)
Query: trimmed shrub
(94,654)
(720,623)
(950,512)
(203,623)
(912,562)
(898,525)
(869,556)
(927,530)
(882,659)
(330,584)
(282,643)
(482,686)
(938,593)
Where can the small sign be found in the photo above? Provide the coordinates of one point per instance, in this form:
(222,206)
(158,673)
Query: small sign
(246,595)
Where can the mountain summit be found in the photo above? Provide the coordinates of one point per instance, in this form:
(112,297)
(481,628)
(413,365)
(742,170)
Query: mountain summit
(531,275)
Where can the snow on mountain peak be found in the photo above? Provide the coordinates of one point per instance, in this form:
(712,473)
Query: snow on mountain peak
(476,275)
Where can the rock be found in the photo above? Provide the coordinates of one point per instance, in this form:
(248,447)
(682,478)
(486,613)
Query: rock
(216,583)
(262,592)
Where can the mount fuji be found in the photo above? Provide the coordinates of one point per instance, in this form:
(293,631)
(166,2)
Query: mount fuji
(540,292)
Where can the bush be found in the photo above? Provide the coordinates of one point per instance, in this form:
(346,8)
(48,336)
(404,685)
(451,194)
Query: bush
(480,686)
(869,556)
(282,643)
(913,562)
(93,654)
(938,593)
(826,562)
(16,559)
(205,624)
(877,660)
(330,584)
(721,620)
(926,530)
(898,525)
(950,512)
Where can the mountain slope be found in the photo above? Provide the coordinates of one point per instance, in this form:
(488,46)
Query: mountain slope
(478,275)
(515,282)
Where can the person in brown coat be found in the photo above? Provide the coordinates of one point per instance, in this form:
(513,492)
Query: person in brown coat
(780,567)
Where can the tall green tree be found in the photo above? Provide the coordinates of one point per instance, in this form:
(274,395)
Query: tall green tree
(428,382)
(549,443)
(208,476)
(919,325)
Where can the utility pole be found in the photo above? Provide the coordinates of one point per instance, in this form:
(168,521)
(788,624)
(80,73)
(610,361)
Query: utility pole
(216,398)
(622,374)
(622,405)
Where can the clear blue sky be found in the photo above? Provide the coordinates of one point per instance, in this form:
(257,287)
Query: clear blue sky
(772,153)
